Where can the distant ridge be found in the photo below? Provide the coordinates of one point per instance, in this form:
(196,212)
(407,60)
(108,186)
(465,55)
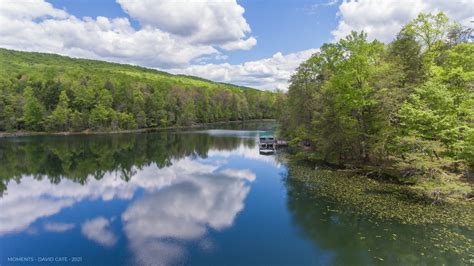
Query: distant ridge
(55,93)
(78,60)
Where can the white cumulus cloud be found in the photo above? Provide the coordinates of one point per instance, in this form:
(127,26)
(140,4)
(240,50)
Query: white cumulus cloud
(240,44)
(265,74)
(29,9)
(36,25)
(204,21)
(383,19)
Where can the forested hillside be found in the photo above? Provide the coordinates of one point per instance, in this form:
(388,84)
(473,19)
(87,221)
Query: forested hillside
(404,109)
(46,92)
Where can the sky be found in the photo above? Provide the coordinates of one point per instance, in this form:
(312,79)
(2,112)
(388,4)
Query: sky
(255,43)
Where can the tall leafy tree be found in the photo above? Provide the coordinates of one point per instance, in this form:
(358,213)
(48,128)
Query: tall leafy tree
(429,29)
(59,118)
(33,111)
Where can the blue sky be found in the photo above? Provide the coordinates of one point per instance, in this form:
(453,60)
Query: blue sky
(286,27)
(255,43)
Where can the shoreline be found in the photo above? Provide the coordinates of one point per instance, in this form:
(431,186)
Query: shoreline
(125,131)
(452,189)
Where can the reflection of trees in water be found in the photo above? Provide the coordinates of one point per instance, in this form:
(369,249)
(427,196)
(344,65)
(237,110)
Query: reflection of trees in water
(356,239)
(77,157)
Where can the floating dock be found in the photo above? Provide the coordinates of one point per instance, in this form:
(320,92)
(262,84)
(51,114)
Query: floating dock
(269,144)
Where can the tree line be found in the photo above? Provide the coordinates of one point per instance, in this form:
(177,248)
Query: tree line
(45,92)
(404,108)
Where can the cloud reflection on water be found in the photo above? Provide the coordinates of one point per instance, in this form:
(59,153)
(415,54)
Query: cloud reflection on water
(98,231)
(180,204)
(58,227)
(183,212)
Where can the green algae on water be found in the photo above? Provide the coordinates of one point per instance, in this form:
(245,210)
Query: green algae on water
(447,227)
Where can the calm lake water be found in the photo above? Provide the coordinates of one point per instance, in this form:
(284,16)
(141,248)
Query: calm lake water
(165,198)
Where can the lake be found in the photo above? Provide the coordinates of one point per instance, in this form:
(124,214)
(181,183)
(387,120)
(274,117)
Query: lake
(201,196)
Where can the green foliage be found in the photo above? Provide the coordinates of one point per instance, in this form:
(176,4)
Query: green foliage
(406,54)
(467,147)
(10,109)
(429,112)
(33,111)
(100,117)
(126,121)
(56,93)
(59,118)
(429,29)
(406,107)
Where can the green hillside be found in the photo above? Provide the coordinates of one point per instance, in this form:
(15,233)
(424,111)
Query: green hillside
(47,92)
